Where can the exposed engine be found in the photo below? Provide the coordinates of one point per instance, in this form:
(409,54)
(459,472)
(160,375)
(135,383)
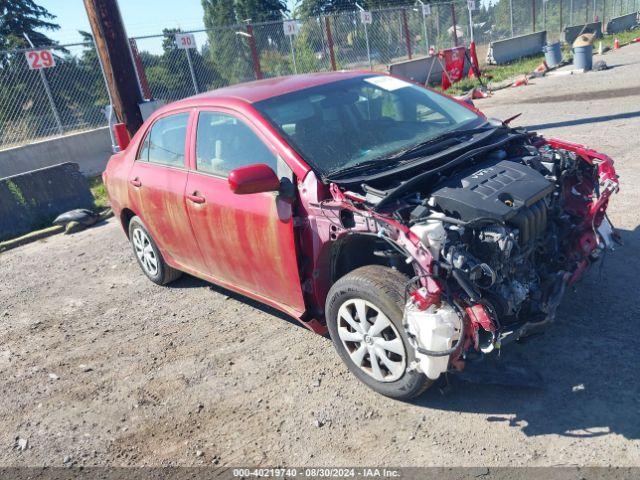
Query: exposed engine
(499,243)
(511,233)
(505,236)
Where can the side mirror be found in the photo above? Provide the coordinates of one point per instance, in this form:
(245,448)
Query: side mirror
(253,179)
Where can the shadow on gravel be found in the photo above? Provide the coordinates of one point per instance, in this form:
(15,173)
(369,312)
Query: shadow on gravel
(586,96)
(583,121)
(589,361)
(187,281)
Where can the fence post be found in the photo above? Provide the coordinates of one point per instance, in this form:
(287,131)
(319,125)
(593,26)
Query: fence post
(54,109)
(586,11)
(47,90)
(511,15)
(571,13)
(293,54)
(191,70)
(533,14)
(470,24)
(453,22)
(560,18)
(366,37)
(407,34)
(437,20)
(142,74)
(332,56)
(254,53)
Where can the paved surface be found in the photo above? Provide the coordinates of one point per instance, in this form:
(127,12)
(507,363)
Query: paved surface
(152,375)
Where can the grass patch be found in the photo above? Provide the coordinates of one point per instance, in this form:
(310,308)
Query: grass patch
(17,193)
(494,74)
(99,192)
(623,37)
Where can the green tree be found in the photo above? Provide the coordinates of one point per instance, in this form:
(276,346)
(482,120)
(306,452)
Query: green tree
(314,8)
(260,10)
(18,17)
(229,53)
(169,74)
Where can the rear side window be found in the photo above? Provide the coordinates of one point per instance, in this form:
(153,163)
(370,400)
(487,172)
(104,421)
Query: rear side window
(224,142)
(165,142)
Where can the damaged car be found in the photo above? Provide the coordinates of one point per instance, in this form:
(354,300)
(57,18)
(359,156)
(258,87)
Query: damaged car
(415,231)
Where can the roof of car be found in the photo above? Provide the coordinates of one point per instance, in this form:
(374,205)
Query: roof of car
(259,90)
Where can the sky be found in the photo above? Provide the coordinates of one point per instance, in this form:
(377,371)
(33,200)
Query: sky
(141,17)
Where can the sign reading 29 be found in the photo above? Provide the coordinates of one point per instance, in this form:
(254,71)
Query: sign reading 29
(38,59)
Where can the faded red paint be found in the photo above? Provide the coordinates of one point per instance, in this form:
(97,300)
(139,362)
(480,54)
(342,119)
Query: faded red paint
(269,246)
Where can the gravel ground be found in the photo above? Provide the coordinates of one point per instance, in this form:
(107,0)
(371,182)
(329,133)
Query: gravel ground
(98,366)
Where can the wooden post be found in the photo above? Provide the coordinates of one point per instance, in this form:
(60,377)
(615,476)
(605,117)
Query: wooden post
(332,55)
(407,34)
(561,17)
(113,49)
(533,14)
(254,53)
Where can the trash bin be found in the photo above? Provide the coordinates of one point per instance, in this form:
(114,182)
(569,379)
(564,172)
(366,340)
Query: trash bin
(552,54)
(583,57)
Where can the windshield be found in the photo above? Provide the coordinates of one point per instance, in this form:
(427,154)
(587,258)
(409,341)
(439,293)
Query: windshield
(363,119)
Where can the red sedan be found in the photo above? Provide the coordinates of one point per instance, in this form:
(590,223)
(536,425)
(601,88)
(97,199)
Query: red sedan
(413,229)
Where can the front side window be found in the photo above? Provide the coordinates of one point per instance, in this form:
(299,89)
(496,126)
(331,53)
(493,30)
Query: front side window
(351,121)
(165,142)
(224,143)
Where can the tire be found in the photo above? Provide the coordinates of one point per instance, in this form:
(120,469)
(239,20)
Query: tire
(148,255)
(382,289)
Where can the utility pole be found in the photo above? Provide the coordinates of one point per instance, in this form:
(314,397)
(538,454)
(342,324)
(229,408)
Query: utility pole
(112,46)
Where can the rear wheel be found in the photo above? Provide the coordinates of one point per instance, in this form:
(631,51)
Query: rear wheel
(148,256)
(364,316)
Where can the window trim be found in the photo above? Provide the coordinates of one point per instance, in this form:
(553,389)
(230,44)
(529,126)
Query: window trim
(193,165)
(187,140)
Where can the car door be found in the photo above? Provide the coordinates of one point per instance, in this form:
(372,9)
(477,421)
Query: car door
(157,184)
(246,241)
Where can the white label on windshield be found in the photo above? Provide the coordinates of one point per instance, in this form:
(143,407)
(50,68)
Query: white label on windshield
(387,83)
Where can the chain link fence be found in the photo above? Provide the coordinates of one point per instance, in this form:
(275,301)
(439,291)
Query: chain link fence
(46,94)
(70,94)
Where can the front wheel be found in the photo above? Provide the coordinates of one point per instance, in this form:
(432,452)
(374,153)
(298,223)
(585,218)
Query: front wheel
(364,317)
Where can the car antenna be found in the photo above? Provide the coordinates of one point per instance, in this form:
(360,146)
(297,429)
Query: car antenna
(510,119)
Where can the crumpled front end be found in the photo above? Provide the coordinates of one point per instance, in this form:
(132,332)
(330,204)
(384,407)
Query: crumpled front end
(491,247)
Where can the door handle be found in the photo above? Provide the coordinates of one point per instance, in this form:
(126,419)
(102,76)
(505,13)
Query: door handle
(136,182)
(196,198)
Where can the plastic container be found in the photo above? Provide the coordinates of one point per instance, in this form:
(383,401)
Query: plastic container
(583,57)
(552,54)
(437,329)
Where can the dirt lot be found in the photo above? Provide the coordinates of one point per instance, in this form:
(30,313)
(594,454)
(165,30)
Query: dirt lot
(99,366)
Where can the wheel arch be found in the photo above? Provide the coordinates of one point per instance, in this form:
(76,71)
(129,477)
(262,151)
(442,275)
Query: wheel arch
(125,218)
(357,250)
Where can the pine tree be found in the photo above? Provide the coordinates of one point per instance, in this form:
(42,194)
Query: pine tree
(218,13)
(260,10)
(18,17)
(225,48)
